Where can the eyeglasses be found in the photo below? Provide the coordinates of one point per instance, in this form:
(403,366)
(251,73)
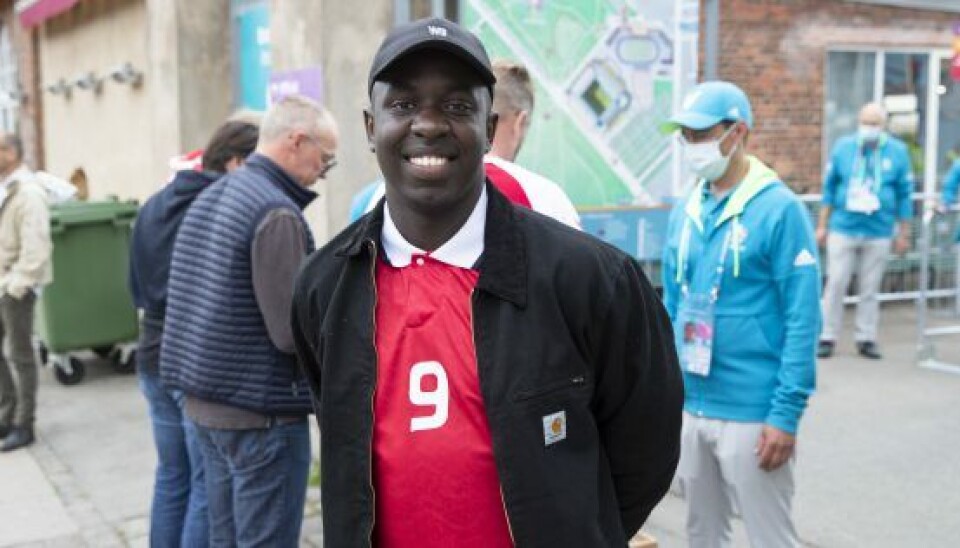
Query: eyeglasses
(329,164)
(330,160)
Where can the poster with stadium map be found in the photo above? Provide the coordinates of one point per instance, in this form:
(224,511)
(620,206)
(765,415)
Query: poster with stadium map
(607,73)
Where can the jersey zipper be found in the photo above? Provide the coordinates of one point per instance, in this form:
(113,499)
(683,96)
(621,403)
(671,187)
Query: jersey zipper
(476,352)
(373,393)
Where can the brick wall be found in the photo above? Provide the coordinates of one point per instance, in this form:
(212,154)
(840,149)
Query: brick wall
(776,50)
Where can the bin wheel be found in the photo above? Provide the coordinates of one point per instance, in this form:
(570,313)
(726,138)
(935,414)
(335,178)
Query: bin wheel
(42,353)
(102,351)
(125,364)
(72,377)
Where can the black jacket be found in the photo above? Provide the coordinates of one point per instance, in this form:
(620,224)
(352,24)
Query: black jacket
(562,322)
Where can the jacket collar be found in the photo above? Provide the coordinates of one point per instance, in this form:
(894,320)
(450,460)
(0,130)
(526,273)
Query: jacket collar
(190,181)
(759,176)
(279,177)
(20,174)
(503,265)
(10,184)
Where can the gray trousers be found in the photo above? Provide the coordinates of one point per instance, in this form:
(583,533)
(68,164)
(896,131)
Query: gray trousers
(719,472)
(869,257)
(18,391)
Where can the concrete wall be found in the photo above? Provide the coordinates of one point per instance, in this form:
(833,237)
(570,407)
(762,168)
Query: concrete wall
(342,38)
(205,90)
(777,51)
(24,42)
(124,136)
(107,134)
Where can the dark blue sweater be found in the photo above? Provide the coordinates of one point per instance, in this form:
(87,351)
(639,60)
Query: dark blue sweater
(216,346)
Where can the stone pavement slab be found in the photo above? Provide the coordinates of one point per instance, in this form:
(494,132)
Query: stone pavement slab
(30,508)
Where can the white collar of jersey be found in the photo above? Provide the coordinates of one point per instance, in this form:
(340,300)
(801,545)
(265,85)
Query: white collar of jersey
(462,250)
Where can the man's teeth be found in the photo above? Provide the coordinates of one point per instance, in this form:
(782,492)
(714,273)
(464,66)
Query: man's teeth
(428,161)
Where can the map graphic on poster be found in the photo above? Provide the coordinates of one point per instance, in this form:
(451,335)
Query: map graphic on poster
(606,73)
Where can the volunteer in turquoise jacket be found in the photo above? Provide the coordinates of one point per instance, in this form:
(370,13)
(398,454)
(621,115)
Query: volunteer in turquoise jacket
(741,284)
(866,193)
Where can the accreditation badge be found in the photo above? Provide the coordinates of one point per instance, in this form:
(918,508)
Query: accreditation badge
(861,198)
(695,322)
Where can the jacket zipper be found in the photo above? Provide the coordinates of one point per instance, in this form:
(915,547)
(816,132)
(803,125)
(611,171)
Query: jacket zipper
(373,393)
(476,354)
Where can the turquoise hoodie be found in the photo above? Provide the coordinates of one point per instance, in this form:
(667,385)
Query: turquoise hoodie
(767,317)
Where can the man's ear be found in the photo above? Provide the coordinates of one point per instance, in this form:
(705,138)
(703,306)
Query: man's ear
(370,126)
(744,131)
(522,120)
(521,123)
(491,128)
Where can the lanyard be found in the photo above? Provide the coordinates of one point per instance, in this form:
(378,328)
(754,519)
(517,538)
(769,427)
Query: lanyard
(860,164)
(683,273)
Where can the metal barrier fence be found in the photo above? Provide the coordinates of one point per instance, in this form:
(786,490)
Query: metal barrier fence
(938,311)
(902,277)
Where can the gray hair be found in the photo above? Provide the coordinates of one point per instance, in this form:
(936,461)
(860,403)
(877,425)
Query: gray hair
(294,112)
(514,89)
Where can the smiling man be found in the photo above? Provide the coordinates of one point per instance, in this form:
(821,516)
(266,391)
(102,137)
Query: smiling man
(483,376)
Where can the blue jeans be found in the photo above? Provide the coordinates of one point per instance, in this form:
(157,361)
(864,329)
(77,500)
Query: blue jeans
(256,483)
(178,515)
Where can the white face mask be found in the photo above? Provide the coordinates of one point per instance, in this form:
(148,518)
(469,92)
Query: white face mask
(869,134)
(705,159)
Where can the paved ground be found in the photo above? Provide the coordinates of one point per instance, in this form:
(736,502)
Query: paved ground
(879,461)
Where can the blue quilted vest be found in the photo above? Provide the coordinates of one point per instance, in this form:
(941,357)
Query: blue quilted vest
(215,343)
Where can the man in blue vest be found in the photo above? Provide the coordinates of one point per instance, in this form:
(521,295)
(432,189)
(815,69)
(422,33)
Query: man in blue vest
(741,284)
(866,194)
(227,343)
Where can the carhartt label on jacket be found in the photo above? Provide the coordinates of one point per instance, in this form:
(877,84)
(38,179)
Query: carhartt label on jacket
(554,427)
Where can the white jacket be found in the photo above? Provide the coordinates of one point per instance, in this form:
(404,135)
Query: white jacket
(25,245)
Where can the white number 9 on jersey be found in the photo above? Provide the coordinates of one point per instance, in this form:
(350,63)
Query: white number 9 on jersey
(439,399)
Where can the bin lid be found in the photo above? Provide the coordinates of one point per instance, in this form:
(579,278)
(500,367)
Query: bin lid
(74,213)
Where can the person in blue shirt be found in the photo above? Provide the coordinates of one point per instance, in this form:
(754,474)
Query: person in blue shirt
(866,194)
(742,285)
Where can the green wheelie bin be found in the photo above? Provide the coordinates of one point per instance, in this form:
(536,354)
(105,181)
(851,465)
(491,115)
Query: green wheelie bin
(88,307)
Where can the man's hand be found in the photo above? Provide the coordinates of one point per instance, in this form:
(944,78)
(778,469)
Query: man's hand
(821,236)
(901,244)
(774,447)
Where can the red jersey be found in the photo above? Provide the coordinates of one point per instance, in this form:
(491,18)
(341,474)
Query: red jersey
(435,479)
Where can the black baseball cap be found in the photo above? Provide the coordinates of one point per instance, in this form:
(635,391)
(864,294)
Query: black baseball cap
(432,33)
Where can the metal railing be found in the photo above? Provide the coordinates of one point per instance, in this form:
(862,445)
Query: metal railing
(938,312)
(902,279)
